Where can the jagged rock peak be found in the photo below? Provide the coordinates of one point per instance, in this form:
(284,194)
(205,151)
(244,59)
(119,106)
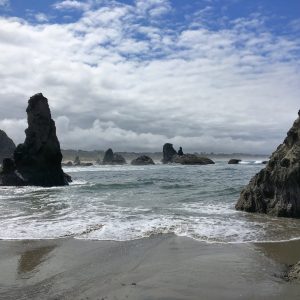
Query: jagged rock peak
(275,190)
(38,159)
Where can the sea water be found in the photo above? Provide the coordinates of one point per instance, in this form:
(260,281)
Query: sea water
(130,202)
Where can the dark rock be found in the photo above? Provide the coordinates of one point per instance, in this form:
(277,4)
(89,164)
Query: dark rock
(275,190)
(77,161)
(191,159)
(180,152)
(87,164)
(168,153)
(234,161)
(111,158)
(142,160)
(264,162)
(38,159)
(7,146)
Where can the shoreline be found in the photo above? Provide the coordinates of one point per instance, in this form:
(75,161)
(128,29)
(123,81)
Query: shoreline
(159,267)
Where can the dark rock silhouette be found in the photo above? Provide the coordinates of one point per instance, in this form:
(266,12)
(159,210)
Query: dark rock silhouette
(171,156)
(77,161)
(168,153)
(191,159)
(111,158)
(234,161)
(38,160)
(275,190)
(7,146)
(142,160)
(180,152)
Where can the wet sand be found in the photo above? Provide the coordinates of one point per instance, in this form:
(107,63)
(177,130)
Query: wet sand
(160,267)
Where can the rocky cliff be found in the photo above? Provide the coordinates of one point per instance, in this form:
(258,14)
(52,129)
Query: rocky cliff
(275,190)
(38,160)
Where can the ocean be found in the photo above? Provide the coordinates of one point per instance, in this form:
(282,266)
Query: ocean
(131,202)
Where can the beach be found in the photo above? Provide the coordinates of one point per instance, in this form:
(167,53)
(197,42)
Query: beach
(158,267)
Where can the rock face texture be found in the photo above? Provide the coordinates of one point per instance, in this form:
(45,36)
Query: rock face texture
(294,273)
(171,156)
(7,146)
(111,158)
(275,190)
(142,160)
(234,161)
(38,160)
(168,153)
(191,159)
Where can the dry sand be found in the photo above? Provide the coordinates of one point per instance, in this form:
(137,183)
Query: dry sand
(160,267)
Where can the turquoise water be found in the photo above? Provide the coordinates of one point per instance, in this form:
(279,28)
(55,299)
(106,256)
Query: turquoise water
(130,202)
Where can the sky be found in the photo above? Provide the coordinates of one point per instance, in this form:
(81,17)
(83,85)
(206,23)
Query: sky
(207,75)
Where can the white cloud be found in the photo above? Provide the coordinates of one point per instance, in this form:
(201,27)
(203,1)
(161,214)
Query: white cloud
(72,5)
(112,81)
(40,17)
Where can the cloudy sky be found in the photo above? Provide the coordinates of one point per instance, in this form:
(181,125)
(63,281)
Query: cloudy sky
(208,75)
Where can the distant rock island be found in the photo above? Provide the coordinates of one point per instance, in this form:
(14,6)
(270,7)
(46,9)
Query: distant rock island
(171,156)
(38,160)
(142,160)
(7,146)
(111,158)
(234,161)
(275,190)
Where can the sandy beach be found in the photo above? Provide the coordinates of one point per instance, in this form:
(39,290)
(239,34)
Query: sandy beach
(159,267)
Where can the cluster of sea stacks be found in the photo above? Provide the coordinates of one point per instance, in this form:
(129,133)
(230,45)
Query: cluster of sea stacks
(275,190)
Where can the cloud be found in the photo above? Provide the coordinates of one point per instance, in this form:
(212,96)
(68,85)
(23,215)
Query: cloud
(72,5)
(41,17)
(4,3)
(117,78)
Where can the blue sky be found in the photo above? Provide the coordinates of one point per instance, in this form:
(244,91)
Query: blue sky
(209,75)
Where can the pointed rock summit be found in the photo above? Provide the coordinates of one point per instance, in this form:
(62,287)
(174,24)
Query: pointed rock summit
(275,190)
(38,160)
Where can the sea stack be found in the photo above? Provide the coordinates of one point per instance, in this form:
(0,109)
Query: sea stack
(275,190)
(168,153)
(38,160)
(111,158)
(171,156)
(7,146)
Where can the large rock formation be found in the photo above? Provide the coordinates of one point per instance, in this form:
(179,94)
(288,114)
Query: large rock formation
(171,156)
(111,158)
(142,160)
(275,190)
(7,146)
(38,160)
(168,153)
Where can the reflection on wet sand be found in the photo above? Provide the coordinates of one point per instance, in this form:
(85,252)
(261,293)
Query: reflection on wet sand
(286,253)
(30,259)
